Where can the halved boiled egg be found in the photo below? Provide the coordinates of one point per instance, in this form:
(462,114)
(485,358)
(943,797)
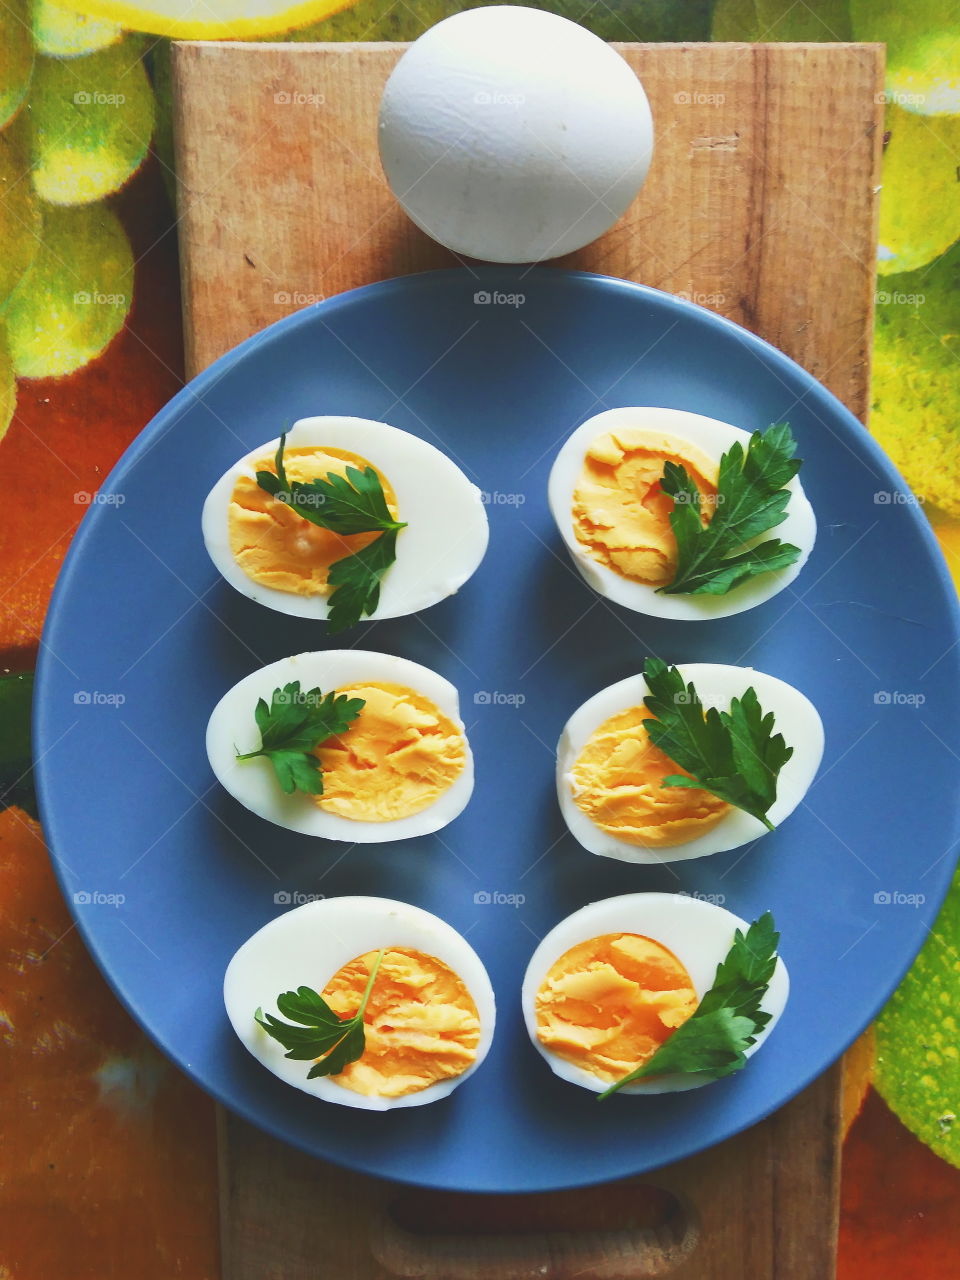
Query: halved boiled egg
(402,768)
(609,773)
(271,553)
(607,986)
(605,496)
(429,1018)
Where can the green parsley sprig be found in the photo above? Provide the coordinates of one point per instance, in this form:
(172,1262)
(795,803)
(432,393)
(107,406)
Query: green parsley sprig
(347,504)
(320,1033)
(293,725)
(751,498)
(733,754)
(714,1039)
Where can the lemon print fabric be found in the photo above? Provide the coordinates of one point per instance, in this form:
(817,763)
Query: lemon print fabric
(919,204)
(16,57)
(773,20)
(923,50)
(201,20)
(91,120)
(8,385)
(19,208)
(918,1033)
(916,379)
(64,33)
(76,295)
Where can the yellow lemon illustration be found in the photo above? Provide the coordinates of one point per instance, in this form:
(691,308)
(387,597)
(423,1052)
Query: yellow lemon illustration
(918,1059)
(75,297)
(64,33)
(91,120)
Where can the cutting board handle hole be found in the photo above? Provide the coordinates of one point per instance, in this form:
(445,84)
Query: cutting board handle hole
(627,1231)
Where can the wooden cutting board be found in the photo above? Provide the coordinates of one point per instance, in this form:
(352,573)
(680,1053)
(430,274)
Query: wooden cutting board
(761,204)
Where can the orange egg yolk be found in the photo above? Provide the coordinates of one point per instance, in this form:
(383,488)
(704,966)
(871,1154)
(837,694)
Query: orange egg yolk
(273,544)
(420,1025)
(617,783)
(399,756)
(620,513)
(609,1003)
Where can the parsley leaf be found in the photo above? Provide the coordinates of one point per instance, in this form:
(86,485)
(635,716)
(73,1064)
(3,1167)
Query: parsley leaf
(293,725)
(733,754)
(726,1022)
(321,1033)
(712,559)
(347,504)
(356,581)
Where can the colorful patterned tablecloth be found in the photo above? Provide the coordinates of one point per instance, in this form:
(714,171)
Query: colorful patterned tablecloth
(108,1163)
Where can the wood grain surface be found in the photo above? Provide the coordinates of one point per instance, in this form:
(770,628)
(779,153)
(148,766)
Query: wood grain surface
(761,204)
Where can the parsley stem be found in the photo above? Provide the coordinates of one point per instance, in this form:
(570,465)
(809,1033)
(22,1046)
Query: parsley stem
(618,1084)
(278,463)
(370,981)
(357,1019)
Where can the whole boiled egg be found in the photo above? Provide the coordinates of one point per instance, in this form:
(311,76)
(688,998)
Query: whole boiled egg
(429,1017)
(610,983)
(268,551)
(609,773)
(605,496)
(514,135)
(401,767)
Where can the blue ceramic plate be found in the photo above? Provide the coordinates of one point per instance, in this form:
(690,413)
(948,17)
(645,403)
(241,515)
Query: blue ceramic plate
(143,637)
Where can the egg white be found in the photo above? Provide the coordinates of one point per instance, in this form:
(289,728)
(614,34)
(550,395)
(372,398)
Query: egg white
(717,684)
(232,729)
(698,933)
(714,439)
(308,945)
(446,535)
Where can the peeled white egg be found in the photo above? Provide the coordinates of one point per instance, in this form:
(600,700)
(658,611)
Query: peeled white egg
(711,437)
(308,945)
(232,729)
(716,684)
(698,933)
(442,545)
(514,135)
